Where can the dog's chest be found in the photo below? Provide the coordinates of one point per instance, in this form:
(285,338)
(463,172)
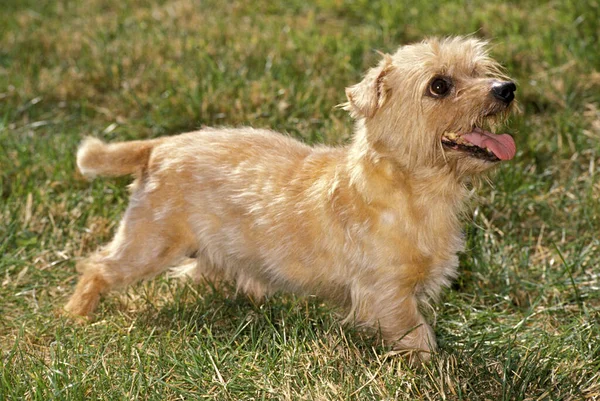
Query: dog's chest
(426,243)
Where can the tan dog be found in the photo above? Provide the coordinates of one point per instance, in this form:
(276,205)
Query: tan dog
(373,226)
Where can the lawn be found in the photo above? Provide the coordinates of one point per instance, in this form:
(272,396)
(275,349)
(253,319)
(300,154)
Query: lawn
(521,322)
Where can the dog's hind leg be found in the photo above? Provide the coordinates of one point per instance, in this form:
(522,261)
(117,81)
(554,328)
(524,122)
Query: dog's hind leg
(144,246)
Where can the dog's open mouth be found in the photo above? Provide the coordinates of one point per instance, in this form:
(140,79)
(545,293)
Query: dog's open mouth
(482,144)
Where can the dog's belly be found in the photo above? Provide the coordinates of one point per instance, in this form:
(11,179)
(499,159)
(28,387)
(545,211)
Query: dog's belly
(286,254)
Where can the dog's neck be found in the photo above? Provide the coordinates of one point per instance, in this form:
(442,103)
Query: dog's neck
(376,172)
(425,200)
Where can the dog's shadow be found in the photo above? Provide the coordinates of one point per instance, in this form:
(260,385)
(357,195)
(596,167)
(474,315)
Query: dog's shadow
(280,320)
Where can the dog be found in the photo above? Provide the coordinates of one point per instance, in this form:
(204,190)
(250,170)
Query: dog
(373,226)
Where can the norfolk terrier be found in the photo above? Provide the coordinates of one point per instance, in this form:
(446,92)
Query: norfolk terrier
(373,226)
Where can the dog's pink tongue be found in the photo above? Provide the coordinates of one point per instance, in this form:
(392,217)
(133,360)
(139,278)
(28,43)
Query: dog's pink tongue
(503,146)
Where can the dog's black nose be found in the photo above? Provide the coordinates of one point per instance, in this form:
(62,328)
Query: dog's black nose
(504,91)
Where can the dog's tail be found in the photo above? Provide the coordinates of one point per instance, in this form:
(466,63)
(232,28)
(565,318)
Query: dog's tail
(96,158)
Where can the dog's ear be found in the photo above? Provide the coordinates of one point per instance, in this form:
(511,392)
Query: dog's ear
(367,96)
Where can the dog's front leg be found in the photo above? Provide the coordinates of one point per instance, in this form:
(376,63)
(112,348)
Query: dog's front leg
(395,311)
(405,329)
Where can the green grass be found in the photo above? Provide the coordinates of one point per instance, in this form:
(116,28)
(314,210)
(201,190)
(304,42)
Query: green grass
(522,321)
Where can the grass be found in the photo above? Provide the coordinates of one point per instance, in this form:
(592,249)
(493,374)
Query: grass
(520,323)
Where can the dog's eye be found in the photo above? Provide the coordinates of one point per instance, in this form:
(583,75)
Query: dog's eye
(439,87)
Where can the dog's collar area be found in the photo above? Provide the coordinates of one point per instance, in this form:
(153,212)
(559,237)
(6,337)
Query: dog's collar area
(481,144)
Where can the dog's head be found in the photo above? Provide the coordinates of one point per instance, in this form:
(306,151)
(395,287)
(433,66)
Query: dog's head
(436,104)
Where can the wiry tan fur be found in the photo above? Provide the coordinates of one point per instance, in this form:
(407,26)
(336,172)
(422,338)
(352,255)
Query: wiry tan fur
(373,226)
